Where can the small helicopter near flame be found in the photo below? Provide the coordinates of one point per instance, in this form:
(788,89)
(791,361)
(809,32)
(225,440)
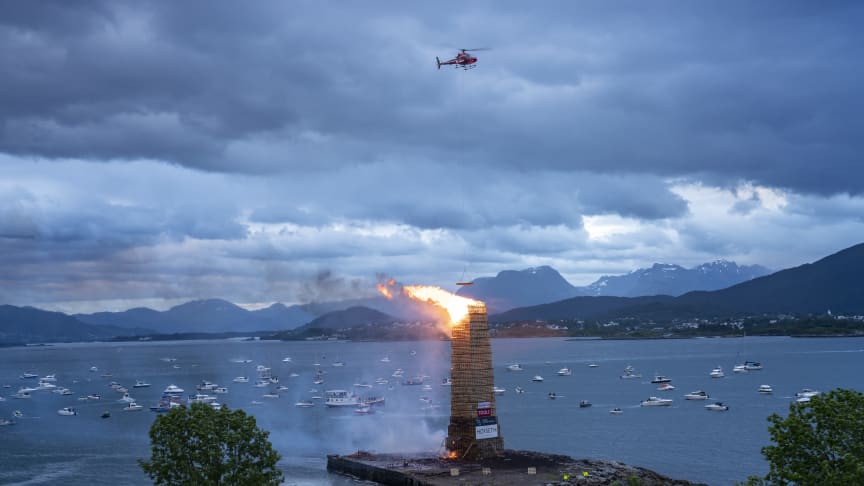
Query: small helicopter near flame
(463,59)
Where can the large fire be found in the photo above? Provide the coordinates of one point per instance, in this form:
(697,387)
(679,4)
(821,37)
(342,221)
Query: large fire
(455,305)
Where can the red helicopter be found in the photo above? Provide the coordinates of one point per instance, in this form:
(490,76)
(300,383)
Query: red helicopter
(463,59)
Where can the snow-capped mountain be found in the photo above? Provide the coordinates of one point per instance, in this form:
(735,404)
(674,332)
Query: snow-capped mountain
(670,279)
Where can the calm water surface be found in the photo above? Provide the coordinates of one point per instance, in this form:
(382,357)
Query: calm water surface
(683,441)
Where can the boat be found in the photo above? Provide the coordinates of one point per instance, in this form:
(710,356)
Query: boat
(362,384)
(51,377)
(286,359)
(338,364)
(340,398)
(630,375)
(519,389)
(717,407)
(498,390)
(385,359)
(93,369)
(552,395)
(364,410)
(446,382)
(417,380)
(660,379)
(171,389)
(752,365)
(805,395)
(398,373)
(656,402)
(372,401)
(206,386)
(697,395)
(68,411)
(537,378)
(278,388)
(666,387)
(616,411)
(17,414)
(28,375)
(140,384)
(514,367)
(132,407)
(383,381)
(717,373)
(584,404)
(94,396)
(126,398)
(200,398)
(739,369)
(564,372)
(106,414)
(304,404)
(593,365)
(765,389)
(4,421)
(21,395)
(293,375)
(270,395)
(261,384)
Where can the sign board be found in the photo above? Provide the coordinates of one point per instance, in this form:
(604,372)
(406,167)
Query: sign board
(484,412)
(486,427)
(483,405)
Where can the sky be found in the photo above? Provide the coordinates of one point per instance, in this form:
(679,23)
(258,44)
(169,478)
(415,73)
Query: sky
(157,152)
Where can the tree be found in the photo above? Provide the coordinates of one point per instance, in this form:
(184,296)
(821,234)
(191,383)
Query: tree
(203,446)
(820,442)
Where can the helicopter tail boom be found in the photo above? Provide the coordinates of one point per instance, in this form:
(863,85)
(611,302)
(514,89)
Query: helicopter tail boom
(438,61)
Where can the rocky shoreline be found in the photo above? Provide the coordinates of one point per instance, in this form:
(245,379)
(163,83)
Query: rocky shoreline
(512,467)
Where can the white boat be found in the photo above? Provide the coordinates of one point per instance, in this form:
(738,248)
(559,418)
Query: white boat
(126,398)
(286,359)
(666,387)
(385,359)
(68,411)
(28,375)
(201,398)
(338,364)
(241,379)
(21,395)
(278,388)
(340,398)
(93,369)
(4,421)
(697,395)
(261,384)
(446,382)
(519,389)
(656,402)
(206,386)
(220,390)
(537,378)
(364,410)
(173,389)
(44,385)
(616,411)
(739,369)
(398,373)
(660,379)
(382,381)
(584,404)
(765,389)
(304,404)
(752,365)
(94,396)
(498,390)
(717,373)
(362,384)
(270,395)
(564,372)
(593,365)
(514,367)
(140,384)
(717,407)
(132,407)
(805,395)
(630,375)
(50,377)
(27,389)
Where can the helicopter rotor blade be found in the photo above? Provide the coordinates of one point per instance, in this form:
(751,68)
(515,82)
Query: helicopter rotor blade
(477,49)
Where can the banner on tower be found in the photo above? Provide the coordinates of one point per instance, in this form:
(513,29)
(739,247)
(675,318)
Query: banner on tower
(486,427)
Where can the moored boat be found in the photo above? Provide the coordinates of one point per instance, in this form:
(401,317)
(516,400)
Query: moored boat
(537,378)
(765,389)
(514,367)
(340,398)
(564,372)
(67,411)
(697,395)
(656,402)
(717,373)
(717,407)
(660,379)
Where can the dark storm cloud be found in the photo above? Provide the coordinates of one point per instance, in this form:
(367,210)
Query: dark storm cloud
(768,91)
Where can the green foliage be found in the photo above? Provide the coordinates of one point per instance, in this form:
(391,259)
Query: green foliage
(820,442)
(203,446)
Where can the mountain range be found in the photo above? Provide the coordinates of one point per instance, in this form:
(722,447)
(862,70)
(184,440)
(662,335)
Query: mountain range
(511,289)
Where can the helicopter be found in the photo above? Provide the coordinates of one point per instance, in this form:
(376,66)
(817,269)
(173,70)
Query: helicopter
(463,59)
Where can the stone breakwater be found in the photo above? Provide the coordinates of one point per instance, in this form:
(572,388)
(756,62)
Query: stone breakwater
(516,468)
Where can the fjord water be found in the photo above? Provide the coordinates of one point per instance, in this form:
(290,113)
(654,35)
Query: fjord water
(683,441)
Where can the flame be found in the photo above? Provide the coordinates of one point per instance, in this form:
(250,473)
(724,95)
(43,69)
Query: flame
(452,455)
(455,305)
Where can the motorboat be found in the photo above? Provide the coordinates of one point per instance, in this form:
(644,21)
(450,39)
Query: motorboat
(201,398)
(752,365)
(126,398)
(278,388)
(593,365)
(17,414)
(384,381)
(564,372)
(362,384)
(270,395)
(173,389)
(220,390)
(4,421)
(364,410)
(140,384)
(666,387)
(28,375)
(630,375)
(21,395)
(132,407)
(106,414)
(93,369)
(427,387)
(52,377)
(293,375)
(537,378)
(660,379)
(498,390)
(338,364)
(340,398)
(656,402)
(94,396)
(304,404)
(68,411)
(385,359)
(717,407)
(616,411)
(206,386)
(697,395)
(739,369)
(417,380)
(446,382)
(261,384)
(28,389)
(372,401)
(514,367)
(717,373)
(519,389)
(584,404)
(552,395)
(286,359)
(765,389)
(398,373)
(805,395)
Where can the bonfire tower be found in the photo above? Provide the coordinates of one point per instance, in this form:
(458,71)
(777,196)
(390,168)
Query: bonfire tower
(473,431)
